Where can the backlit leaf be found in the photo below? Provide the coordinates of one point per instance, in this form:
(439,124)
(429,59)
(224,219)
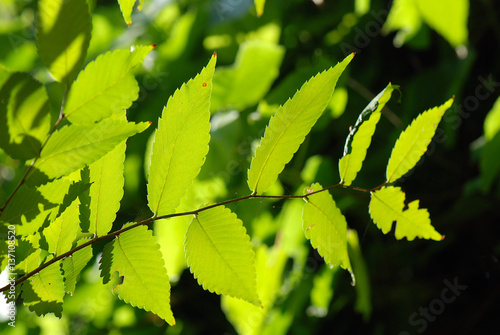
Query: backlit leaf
(181,142)
(127,6)
(360,136)
(63,35)
(44,292)
(326,228)
(137,258)
(106,86)
(386,206)
(106,190)
(259,6)
(24,116)
(288,128)
(74,146)
(220,255)
(74,264)
(61,232)
(413,142)
(249,79)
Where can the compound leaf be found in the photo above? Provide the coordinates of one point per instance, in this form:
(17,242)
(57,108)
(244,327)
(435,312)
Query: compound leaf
(289,126)
(360,136)
(413,142)
(24,116)
(220,255)
(386,206)
(63,36)
(74,264)
(74,146)
(137,258)
(106,86)
(181,142)
(106,190)
(326,228)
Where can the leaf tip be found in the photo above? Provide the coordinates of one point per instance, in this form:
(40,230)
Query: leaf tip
(353,54)
(153,45)
(442,237)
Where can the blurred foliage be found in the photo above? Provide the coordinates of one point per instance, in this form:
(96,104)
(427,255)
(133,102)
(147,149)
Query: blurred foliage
(433,50)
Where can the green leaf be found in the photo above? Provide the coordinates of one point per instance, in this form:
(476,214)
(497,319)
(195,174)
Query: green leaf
(106,86)
(44,292)
(74,264)
(63,36)
(489,163)
(106,191)
(126,6)
(24,116)
(220,255)
(413,142)
(181,142)
(363,303)
(249,79)
(137,258)
(259,7)
(326,228)
(360,136)
(74,146)
(288,128)
(61,232)
(270,264)
(492,121)
(386,206)
(447,17)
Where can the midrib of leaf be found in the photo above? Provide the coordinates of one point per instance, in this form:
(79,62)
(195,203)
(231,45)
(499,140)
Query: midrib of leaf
(277,141)
(98,198)
(218,252)
(133,268)
(101,92)
(331,222)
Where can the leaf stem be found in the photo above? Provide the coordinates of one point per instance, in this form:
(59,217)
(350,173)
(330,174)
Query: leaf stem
(168,216)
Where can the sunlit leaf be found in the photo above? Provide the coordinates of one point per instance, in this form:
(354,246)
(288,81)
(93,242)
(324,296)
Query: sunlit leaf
(181,142)
(386,207)
(61,232)
(74,146)
(24,116)
(106,190)
(249,79)
(44,292)
(127,6)
(137,258)
(413,142)
(74,264)
(220,255)
(63,36)
(288,128)
(492,121)
(360,136)
(106,86)
(259,7)
(326,228)
(247,318)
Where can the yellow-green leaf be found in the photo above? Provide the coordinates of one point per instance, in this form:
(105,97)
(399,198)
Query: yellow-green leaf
(413,142)
(288,128)
(326,228)
(220,255)
(386,206)
(360,136)
(63,36)
(181,142)
(137,258)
